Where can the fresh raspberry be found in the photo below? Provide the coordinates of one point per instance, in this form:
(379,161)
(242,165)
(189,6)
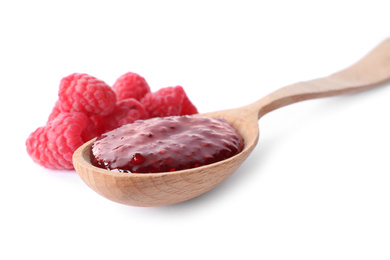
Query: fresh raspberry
(88,107)
(129,110)
(55,111)
(87,94)
(100,124)
(131,85)
(126,111)
(170,101)
(53,145)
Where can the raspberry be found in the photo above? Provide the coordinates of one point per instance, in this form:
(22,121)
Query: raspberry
(126,111)
(129,110)
(55,111)
(170,101)
(131,85)
(87,107)
(53,145)
(87,94)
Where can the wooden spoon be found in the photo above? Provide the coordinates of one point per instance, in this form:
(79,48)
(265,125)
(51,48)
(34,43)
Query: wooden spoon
(159,189)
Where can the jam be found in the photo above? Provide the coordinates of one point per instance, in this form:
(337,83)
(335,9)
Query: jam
(165,144)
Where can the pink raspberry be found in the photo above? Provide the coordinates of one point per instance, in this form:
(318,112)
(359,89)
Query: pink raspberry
(53,145)
(126,111)
(131,85)
(170,101)
(88,107)
(129,110)
(55,111)
(87,94)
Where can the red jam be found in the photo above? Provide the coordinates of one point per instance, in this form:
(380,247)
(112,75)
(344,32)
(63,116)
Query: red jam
(165,144)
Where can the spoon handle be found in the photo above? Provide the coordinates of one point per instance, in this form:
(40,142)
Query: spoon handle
(370,71)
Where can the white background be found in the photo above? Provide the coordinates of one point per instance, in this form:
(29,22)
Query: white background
(316,187)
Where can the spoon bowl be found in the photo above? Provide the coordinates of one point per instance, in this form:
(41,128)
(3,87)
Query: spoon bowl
(158,189)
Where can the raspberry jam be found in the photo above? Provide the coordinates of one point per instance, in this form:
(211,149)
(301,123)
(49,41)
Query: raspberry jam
(165,144)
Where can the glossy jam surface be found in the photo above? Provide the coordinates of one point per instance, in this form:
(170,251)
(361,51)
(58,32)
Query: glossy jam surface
(166,144)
